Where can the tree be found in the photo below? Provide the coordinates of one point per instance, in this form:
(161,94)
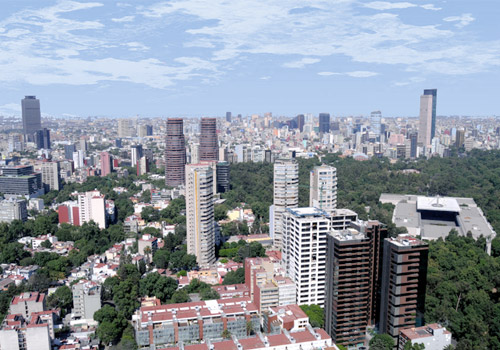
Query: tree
(234,277)
(146,196)
(226,334)
(156,285)
(220,212)
(209,294)
(62,298)
(46,244)
(150,214)
(108,332)
(249,327)
(382,342)
(161,258)
(147,252)
(106,313)
(410,346)
(180,296)
(316,315)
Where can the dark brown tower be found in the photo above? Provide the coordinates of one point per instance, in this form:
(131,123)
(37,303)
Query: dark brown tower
(209,147)
(175,153)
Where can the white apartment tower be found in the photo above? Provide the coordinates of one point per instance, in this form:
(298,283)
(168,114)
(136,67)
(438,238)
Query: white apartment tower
(92,207)
(425,122)
(304,252)
(200,213)
(323,188)
(286,195)
(50,176)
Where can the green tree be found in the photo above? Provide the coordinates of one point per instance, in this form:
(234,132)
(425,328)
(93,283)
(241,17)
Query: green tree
(410,346)
(161,258)
(46,244)
(180,296)
(382,342)
(226,334)
(62,299)
(220,212)
(234,277)
(316,315)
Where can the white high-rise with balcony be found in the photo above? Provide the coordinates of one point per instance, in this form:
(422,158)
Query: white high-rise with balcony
(200,213)
(286,195)
(323,188)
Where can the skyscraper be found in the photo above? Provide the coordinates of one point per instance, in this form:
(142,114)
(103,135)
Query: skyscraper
(375,121)
(228,117)
(50,176)
(200,213)
(324,122)
(404,279)
(32,120)
(42,138)
(209,146)
(222,177)
(300,122)
(427,126)
(69,150)
(305,232)
(175,153)
(135,154)
(286,195)
(460,138)
(106,163)
(413,145)
(125,128)
(323,188)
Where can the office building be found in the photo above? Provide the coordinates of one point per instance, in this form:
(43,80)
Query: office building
(460,138)
(42,138)
(324,122)
(286,195)
(175,153)
(32,119)
(13,209)
(340,219)
(135,154)
(27,303)
(404,278)
(323,188)
(142,166)
(86,299)
(209,146)
(427,121)
(92,207)
(16,143)
(375,121)
(353,281)
(21,180)
(268,156)
(145,131)
(125,129)
(223,177)
(413,144)
(228,117)
(200,213)
(51,178)
(304,246)
(106,163)
(68,151)
(432,337)
(300,122)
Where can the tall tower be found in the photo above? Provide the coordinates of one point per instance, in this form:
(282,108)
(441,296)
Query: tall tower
(304,252)
(135,154)
(323,188)
(209,146)
(175,153)
(106,163)
(286,195)
(200,213)
(324,122)
(228,117)
(404,278)
(375,121)
(32,119)
(427,126)
(50,176)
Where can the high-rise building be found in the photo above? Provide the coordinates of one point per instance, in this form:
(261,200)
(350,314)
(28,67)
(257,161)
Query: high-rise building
(13,209)
(125,128)
(353,281)
(305,232)
(375,121)
(324,122)
(42,138)
(86,299)
(209,146)
(200,213)
(145,130)
(222,177)
(413,145)
(175,153)
(300,122)
(286,195)
(92,207)
(20,180)
(78,157)
(323,188)
(68,151)
(32,119)
(51,178)
(460,138)
(228,117)
(135,154)
(106,163)
(427,126)
(404,278)
(142,166)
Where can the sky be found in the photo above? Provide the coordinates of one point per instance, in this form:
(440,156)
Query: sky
(205,57)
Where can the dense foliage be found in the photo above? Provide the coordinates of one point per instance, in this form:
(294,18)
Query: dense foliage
(239,251)
(234,277)
(316,315)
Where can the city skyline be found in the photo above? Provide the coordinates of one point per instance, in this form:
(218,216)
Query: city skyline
(153,59)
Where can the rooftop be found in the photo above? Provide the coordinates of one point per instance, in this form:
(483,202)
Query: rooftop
(308,211)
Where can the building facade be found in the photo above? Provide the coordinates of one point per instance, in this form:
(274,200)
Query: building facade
(32,118)
(106,163)
(200,213)
(324,122)
(51,178)
(13,209)
(209,146)
(21,180)
(286,195)
(175,153)
(86,299)
(323,188)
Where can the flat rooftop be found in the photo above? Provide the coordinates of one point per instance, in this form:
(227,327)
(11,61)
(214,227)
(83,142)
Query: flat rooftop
(308,211)
(438,204)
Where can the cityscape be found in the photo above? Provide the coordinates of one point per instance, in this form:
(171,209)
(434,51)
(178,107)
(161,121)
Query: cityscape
(203,228)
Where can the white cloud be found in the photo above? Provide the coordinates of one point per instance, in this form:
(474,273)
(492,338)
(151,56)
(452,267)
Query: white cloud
(384,5)
(301,63)
(123,19)
(354,74)
(431,7)
(9,109)
(267,77)
(136,46)
(462,20)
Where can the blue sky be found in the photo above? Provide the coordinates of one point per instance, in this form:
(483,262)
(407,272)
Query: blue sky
(206,57)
